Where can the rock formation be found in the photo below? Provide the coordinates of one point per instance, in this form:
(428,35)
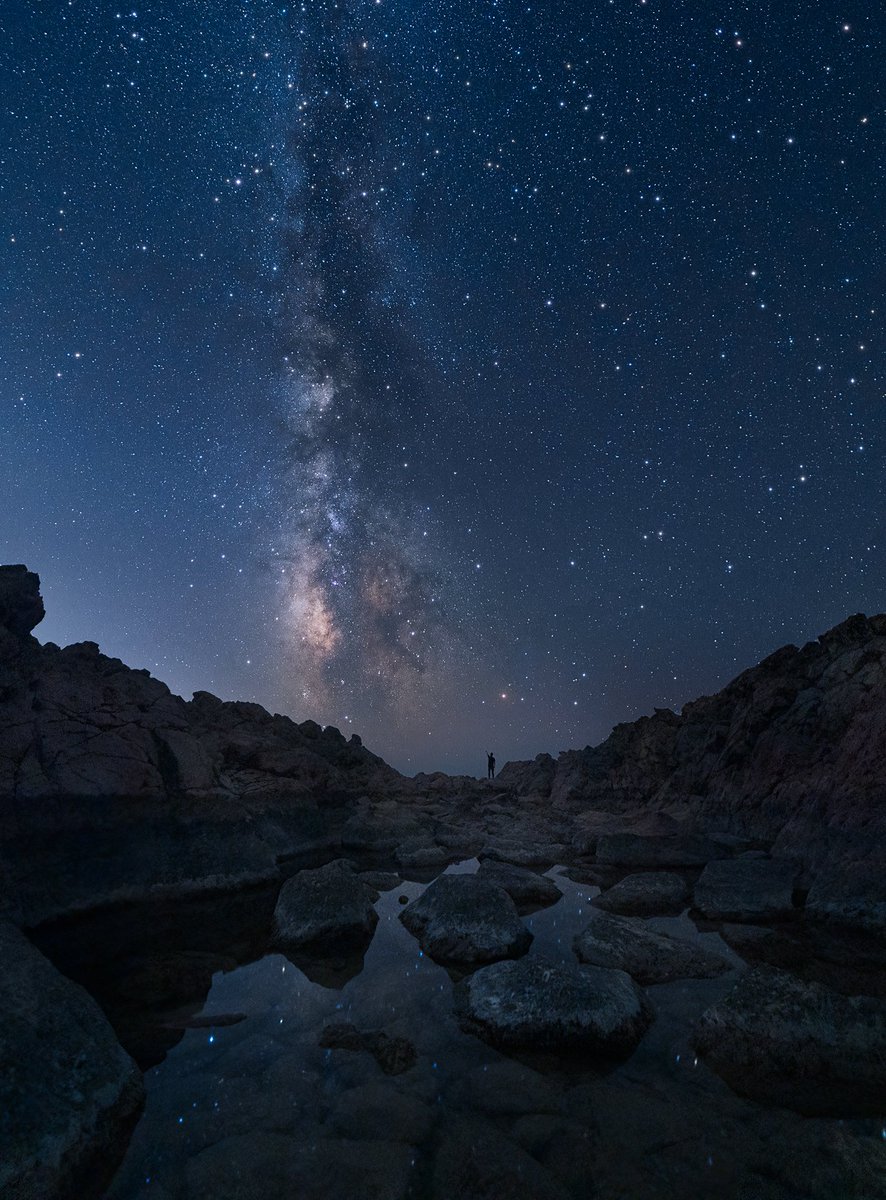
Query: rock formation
(792,752)
(765,803)
(98,760)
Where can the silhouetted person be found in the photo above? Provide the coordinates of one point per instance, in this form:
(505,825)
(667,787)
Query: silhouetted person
(490,765)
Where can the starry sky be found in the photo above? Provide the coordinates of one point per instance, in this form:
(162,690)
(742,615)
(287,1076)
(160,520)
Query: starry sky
(467,375)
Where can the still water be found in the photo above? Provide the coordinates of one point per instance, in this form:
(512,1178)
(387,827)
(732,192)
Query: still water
(253,1106)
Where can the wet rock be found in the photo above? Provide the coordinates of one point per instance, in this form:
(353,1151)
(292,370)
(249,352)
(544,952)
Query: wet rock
(379,881)
(654,850)
(540,1005)
(329,905)
(506,1088)
(852,893)
(746,889)
(781,1040)
(601,875)
(532,853)
(475,1161)
(460,918)
(379,1111)
(526,888)
(420,852)
(378,833)
(628,944)
(394,1055)
(647,893)
(68,1090)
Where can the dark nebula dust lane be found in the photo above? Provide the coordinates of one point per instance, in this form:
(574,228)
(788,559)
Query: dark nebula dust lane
(466,376)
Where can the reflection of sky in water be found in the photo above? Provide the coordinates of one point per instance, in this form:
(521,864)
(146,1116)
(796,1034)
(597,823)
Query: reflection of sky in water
(268,1073)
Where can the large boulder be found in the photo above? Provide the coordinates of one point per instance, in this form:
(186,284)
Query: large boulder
(852,892)
(538,1005)
(628,944)
(530,778)
(746,889)
(659,850)
(646,894)
(782,1040)
(526,888)
(327,907)
(465,919)
(68,1091)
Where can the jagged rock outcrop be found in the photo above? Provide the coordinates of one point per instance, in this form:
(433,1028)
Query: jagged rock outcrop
(112,788)
(21,606)
(96,758)
(792,752)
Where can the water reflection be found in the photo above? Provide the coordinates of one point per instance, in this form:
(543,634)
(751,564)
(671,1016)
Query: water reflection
(277,1106)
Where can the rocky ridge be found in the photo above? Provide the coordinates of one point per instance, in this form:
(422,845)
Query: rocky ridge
(764,803)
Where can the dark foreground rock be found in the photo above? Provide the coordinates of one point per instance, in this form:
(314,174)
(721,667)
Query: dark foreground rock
(538,1005)
(746,889)
(465,919)
(68,1091)
(526,888)
(628,944)
(21,606)
(646,894)
(327,907)
(852,892)
(784,1041)
(659,850)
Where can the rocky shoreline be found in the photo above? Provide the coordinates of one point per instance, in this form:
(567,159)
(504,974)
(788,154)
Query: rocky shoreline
(760,811)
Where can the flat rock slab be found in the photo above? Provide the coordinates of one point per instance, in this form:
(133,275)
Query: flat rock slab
(465,919)
(648,893)
(525,887)
(531,854)
(67,1087)
(628,944)
(781,1040)
(329,905)
(538,1005)
(659,850)
(746,889)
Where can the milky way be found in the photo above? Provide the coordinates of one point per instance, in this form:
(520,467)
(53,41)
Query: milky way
(360,561)
(468,376)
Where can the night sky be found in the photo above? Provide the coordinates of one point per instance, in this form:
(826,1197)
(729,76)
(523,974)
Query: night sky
(467,375)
